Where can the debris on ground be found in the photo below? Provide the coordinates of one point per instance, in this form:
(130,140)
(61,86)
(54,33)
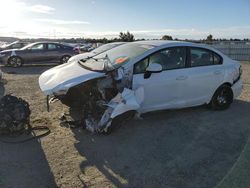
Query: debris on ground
(102,100)
(15,120)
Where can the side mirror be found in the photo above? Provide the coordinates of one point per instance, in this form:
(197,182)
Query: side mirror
(152,68)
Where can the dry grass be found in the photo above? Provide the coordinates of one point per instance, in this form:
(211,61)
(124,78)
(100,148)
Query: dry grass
(192,147)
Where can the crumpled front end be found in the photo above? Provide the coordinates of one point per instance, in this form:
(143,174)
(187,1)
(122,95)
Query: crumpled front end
(101,100)
(126,101)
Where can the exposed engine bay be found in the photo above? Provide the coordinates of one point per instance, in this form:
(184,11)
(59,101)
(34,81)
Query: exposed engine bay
(101,100)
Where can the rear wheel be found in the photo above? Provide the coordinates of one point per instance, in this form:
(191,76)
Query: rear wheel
(64,59)
(223,98)
(15,61)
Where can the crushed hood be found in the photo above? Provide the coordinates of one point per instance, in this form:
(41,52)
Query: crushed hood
(60,78)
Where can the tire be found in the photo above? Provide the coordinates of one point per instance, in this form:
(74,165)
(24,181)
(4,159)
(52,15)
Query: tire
(222,98)
(64,59)
(119,121)
(15,61)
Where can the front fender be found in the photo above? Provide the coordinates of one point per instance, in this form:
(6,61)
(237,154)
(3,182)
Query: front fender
(126,101)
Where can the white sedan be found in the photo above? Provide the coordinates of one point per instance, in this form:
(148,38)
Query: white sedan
(144,76)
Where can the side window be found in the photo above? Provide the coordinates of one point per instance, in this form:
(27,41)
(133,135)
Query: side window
(217,59)
(170,58)
(58,47)
(203,57)
(37,47)
(141,66)
(52,47)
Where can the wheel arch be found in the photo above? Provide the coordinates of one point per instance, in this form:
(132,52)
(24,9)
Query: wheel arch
(64,55)
(223,84)
(15,56)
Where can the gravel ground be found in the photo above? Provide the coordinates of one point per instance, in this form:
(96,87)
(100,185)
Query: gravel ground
(193,147)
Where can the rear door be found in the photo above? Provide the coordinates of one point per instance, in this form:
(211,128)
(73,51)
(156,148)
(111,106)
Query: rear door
(204,75)
(162,90)
(53,52)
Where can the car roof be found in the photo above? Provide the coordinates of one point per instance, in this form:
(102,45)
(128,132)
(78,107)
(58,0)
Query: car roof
(161,42)
(46,42)
(166,43)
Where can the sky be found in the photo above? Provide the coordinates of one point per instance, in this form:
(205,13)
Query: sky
(150,19)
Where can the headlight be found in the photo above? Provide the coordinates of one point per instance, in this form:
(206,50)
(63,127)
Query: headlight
(2,55)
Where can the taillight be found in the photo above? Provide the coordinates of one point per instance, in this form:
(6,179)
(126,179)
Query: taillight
(77,50)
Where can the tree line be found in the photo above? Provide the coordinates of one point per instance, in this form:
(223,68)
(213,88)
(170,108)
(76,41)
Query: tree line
(129,37)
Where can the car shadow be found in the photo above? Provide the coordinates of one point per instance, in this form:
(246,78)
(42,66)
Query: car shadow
(28,69)
(193,147)
(17,167)
(2,88)
(17,161)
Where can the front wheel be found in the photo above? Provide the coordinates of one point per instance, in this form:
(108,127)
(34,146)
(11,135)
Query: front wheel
(119,120)
(222,99)
(64,59)
(15,61)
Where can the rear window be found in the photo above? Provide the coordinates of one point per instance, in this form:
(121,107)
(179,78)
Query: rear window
(52,47)
(66,47)
(204,57)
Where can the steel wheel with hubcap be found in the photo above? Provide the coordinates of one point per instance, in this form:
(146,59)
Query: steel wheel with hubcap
(15,61)
(222,98)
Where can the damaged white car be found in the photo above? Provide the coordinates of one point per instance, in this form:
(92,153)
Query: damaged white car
(143,76)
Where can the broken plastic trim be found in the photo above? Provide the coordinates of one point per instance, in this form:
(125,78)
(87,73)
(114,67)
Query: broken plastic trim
(128,100)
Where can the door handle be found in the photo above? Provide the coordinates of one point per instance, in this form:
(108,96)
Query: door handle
(181,78)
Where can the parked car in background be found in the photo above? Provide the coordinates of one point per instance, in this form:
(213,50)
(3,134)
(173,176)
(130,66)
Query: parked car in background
(96,51)
(13,45)
(144,76)
(39,52)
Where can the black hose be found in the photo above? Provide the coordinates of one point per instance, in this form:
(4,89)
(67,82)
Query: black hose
(40,128)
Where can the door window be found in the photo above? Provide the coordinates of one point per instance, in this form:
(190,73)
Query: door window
(37,47)
(52,47)
(203,57)
(170,58)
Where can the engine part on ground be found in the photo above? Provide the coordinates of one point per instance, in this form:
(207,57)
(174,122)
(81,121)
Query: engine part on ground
(14,114)
(15,120)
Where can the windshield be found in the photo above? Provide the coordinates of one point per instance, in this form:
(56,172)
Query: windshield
(7,45)
(27,46)
(114,58)
(105,48)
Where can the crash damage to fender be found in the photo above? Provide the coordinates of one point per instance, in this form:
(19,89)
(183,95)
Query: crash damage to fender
(100,99)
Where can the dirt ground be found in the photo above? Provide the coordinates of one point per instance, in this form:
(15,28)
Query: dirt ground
(193,147)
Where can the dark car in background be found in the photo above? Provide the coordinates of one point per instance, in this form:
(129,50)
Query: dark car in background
(38,52)
(13,45)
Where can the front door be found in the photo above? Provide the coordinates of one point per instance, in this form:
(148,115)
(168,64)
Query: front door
(162,90)
(36,53)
